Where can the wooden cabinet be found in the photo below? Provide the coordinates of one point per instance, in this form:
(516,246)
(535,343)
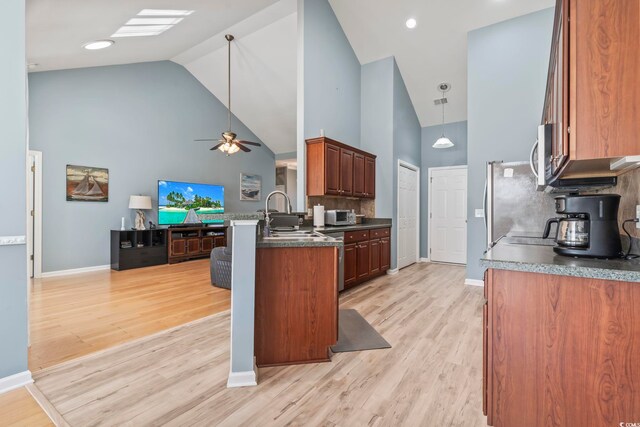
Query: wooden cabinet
(336,169)
(369,177)
(138,248)
(362,261)
(194,242)
(385,254)
(296,314)
(350,275)
(593,86)
(367,254)
(374,257)
(359,175)
(560,350)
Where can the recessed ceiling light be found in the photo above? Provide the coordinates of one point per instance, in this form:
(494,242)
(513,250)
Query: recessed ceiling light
(164,12)
(154,21)
(140,30)
(98,44)
(32,65)
(411,23)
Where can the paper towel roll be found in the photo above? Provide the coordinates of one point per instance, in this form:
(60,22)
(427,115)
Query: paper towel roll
(318,216)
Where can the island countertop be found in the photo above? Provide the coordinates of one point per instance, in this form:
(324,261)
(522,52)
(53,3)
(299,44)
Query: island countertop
(519,254)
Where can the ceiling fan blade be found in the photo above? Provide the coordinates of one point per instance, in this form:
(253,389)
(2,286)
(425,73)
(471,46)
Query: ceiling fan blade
(215,147)
(206,140)
(250,143)
(243,148)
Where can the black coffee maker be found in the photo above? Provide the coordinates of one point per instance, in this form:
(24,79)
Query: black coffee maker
(589,227)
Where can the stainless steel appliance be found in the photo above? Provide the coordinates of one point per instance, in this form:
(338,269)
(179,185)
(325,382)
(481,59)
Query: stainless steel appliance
(339,217)
(589,227)
(512,204)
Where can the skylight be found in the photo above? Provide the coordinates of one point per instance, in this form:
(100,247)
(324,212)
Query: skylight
(151,22)
(164,12)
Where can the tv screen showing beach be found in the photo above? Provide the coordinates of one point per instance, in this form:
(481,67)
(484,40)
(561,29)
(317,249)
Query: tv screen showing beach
(187,202)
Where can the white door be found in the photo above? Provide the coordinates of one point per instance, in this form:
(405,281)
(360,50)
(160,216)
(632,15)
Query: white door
(448,217)
(408,238)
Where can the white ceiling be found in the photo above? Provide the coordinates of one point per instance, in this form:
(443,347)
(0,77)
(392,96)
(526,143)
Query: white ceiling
(263,73)
(57,29)
(433,52)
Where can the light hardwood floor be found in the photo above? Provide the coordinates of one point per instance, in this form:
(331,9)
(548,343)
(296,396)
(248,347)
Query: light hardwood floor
(18,408)
(431,376)
(72,316)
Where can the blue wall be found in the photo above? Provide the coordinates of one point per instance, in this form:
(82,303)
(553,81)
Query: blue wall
(391,130)
(13,146)
(331,77)
(139,121)
(406,143)
(377,128)
(434,158)
(507,76)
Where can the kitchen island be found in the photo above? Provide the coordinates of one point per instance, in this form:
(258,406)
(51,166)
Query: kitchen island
(296,315)
(561,338)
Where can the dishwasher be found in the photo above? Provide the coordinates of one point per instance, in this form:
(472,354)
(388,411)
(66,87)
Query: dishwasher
(339,236)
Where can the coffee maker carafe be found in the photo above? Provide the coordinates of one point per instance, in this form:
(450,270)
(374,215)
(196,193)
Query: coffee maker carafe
(589,227)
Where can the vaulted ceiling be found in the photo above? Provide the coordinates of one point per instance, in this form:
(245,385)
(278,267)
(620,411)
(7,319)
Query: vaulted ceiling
(434,51)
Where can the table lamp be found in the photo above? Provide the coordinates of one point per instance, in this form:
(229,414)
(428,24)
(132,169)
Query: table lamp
(139,203)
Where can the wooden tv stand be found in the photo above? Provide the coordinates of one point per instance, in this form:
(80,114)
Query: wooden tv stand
(187,243)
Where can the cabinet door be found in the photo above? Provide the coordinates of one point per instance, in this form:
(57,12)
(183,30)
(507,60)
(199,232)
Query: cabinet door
(558,92)
(178,247)
(358,175)
(193,246)
(207,244)
(219,241)
(374,257)
(331,169)
(350,276)
(370,177)
(346,172)
(385,254)
(362,261)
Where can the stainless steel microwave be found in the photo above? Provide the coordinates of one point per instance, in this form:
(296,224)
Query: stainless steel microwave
(542,156)
(339,217)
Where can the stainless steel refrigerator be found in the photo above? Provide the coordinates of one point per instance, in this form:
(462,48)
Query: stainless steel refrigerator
(512,204)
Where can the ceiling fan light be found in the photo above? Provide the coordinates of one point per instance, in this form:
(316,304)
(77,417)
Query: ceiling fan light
(443,142)
(233,149)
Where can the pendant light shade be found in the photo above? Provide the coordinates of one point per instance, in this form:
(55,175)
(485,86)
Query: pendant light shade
(443,141)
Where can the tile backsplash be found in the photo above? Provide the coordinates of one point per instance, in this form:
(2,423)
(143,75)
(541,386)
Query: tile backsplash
(366,207)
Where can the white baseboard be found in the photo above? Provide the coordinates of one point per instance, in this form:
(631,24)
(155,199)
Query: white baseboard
(424,260)
(12,382)
(242,379)
(393,271)
(474,282)
(76,271)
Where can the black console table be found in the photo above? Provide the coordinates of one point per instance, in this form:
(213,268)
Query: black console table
(138,248)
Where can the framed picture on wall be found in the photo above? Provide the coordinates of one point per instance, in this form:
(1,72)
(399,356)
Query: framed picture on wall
(87,184)
(250,187)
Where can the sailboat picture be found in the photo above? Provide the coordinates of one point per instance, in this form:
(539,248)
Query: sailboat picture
(87,184)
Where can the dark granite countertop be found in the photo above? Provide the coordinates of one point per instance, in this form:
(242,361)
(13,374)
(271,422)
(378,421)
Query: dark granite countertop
(369,224)
(297,243)
(537,256)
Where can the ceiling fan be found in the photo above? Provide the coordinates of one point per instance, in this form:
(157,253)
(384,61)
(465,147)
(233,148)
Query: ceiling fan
(228,144)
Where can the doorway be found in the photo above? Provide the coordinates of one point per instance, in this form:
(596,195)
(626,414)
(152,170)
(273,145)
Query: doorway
(447,239)
(408,213)
(34,214)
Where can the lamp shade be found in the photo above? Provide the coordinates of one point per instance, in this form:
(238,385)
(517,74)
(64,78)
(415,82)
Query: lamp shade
(443,142)
(139,202)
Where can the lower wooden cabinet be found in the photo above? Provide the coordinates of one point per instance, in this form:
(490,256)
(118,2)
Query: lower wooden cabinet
(194,242)
(560,351)
(367,254)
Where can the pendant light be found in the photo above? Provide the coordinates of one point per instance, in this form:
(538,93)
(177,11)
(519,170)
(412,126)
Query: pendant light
(443,141)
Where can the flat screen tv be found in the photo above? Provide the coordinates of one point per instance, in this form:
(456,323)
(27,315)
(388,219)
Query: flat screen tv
(183,203)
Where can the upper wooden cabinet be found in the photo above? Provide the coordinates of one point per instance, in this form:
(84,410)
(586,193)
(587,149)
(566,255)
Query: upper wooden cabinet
(336,169)
(593,86)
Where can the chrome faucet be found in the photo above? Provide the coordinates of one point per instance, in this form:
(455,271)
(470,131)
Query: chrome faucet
(267,217)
